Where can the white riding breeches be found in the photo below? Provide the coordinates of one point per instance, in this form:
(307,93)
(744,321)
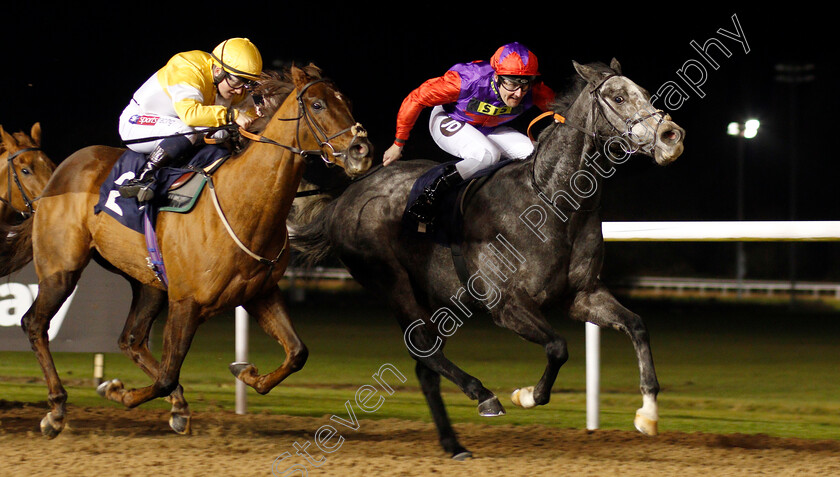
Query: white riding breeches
(136,124)
(477,150)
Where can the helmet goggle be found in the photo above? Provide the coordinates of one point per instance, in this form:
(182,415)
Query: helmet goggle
(236,82)
(513,83)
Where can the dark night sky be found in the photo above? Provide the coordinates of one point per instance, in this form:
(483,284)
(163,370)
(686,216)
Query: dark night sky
(74,69)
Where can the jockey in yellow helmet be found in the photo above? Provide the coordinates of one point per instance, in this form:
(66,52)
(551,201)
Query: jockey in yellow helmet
(194,90)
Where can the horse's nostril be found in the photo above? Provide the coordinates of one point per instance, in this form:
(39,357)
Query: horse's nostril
(670,136)
(360,150)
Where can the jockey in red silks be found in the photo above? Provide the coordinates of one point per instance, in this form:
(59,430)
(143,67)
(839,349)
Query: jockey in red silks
(471,103)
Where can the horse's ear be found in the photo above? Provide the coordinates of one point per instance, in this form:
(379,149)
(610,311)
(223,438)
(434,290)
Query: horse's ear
(591,75)
(36,134)
(7,141)
(616,66)
(299,77)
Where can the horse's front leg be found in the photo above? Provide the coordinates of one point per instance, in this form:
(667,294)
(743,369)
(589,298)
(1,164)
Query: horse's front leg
(178,333)
(601,308)
(522,315)
(146,304)
(52,292)
(273,317)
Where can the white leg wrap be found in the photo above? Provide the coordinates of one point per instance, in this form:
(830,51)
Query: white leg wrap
(647,417)
(524,397)
(649,408)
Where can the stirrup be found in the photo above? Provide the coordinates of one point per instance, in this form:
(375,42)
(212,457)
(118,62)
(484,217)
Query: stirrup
(140,188)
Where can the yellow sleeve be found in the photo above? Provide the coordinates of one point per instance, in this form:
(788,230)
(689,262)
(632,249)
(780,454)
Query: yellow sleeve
(188,80)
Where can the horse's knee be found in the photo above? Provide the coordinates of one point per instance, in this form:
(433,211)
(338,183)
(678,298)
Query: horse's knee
(558,351)
(25,322)
(35,329)
(297,358)
(165,386)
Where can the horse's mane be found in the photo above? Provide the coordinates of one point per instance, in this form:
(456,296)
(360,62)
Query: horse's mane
(574,85)
(275,87)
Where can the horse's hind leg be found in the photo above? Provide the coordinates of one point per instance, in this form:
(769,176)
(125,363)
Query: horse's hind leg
(522,316)
(146,304)
(273,317)
(601,308)
(52,292)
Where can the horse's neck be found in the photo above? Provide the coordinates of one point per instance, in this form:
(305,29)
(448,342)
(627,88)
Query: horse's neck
(260,178)
(568,159)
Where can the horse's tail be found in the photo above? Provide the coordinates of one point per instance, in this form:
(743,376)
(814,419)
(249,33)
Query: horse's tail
(310,239)
(15,245)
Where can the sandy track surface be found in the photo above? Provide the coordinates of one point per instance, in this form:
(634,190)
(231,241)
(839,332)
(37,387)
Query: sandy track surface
(117,442)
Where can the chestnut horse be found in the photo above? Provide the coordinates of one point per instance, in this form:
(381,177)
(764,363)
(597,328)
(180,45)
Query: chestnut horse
(230,250)
(24,172)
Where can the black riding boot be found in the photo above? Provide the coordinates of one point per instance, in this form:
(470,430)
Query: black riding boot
(141,186)
(424,207)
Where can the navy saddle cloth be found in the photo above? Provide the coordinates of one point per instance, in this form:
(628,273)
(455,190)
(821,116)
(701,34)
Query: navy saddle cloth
(128,211)
(448,224)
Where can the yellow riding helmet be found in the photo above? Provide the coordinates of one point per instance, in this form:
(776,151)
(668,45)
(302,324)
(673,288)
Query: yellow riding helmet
(238,56)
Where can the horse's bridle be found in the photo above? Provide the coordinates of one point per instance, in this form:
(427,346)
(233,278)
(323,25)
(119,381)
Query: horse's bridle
(598,109)
(323,140)
(598,104)
(12,175)
(321,136)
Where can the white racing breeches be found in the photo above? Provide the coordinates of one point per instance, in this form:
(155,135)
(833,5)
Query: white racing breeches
(135,124)
(477,150)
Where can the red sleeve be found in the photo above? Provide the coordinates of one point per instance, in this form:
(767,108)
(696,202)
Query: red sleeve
(434,92)
(543,96)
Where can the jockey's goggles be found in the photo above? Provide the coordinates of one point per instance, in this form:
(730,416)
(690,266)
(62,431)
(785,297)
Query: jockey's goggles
(513,83)
(236,82)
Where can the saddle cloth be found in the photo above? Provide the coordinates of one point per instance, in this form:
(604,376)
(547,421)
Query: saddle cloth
(128,211)
(448,225)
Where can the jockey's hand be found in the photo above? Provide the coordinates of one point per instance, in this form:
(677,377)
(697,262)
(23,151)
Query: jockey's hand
(392,154)
(243,120)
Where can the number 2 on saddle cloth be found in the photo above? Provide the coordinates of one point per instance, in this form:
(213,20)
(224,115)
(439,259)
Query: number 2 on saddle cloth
(141,217)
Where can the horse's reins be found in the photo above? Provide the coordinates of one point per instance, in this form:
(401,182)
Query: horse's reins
(323,140)
(12,175)
(317,132)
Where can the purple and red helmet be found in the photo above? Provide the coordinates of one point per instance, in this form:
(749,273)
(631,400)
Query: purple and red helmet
(514,59)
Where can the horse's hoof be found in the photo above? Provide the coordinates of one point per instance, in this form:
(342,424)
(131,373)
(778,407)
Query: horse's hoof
(180,424)
(462,456)
(524,397)
(237,367)
(491,408)
(49,428)
(646,425)
(107,386)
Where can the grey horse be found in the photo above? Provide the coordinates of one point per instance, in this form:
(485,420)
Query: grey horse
(530,241)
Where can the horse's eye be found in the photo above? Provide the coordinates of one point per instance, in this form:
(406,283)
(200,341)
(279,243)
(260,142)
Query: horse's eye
(25,171)
(318,105)
(618,99)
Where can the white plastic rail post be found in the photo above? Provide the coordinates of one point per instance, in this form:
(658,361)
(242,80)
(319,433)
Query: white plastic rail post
(242,357)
